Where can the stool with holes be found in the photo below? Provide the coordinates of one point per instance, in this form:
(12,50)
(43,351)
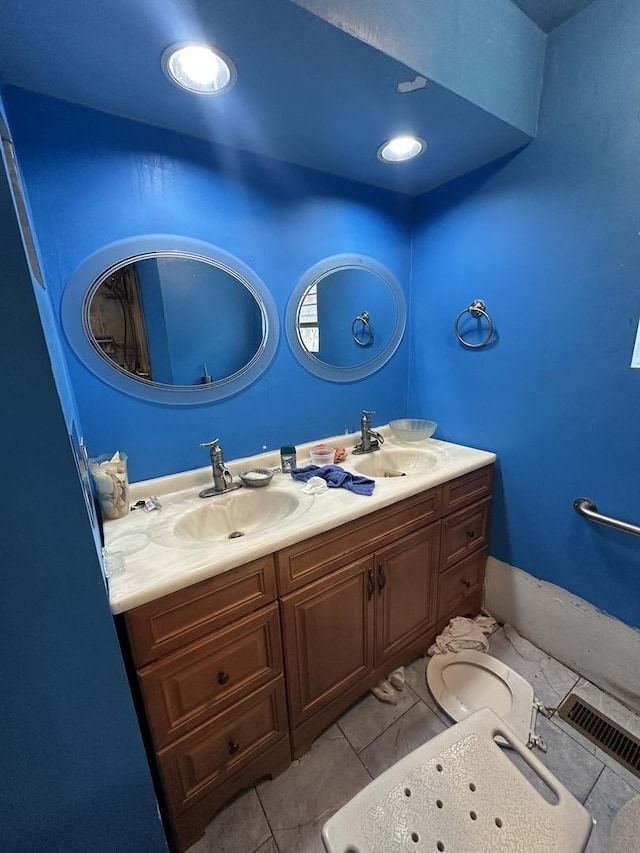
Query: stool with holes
(459,793)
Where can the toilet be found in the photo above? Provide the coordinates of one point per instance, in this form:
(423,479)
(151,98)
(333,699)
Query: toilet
(465,681)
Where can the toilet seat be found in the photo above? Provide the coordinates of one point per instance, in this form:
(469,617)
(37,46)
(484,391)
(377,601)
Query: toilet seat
(463,682)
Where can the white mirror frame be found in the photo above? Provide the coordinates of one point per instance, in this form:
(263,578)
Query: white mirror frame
(86,279)
(314,275)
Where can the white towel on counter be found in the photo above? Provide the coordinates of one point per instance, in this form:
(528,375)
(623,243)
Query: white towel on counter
(315,486)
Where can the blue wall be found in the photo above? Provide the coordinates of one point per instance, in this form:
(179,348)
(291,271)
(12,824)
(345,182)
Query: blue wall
(93,179)
(550,238)
(74,773)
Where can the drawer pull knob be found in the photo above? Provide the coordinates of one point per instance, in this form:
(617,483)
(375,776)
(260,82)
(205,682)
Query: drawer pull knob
(470,534)
(233,747)
(466,583)
(222,677)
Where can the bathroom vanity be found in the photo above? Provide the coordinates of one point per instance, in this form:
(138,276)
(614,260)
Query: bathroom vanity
(273,635)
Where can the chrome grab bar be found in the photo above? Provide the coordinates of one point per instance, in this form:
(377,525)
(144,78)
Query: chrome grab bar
(587,509)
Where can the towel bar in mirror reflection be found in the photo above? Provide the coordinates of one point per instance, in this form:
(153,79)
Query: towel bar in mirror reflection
(320,325)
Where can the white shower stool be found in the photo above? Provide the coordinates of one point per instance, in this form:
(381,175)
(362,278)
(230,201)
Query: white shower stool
(459,793)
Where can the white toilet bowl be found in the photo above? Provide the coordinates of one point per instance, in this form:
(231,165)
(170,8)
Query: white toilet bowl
(465,681)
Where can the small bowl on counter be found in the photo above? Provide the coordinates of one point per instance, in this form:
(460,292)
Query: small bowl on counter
(412,429)
(256,478)
(322,454)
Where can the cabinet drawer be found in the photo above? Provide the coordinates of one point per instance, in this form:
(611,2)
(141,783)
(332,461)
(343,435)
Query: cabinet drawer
(461,581)
(467,489)
(186,687)
(312,559)
(195,764)
(174,620)
(464,532)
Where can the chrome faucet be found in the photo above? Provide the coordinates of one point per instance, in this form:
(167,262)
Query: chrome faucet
(370,440)
(222,477)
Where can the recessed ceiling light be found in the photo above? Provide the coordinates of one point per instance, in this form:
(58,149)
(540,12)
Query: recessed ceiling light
(198,68)
(401,148)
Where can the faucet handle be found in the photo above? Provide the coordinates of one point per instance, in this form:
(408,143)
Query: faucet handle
(214,444)
(368,412)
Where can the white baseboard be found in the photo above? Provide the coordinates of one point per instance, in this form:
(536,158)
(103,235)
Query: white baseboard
(590,642)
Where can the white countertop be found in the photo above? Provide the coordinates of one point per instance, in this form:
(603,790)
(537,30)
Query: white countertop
(166,563)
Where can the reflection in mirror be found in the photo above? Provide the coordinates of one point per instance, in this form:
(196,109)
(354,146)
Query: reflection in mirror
(175,321)
(346,317)
(347,309)
(170,319)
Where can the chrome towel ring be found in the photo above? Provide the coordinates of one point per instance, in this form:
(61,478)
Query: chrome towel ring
(366,331)
(477,309)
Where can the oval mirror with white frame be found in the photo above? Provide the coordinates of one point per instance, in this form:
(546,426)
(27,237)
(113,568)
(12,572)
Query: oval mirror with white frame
(170,319)
(346,317)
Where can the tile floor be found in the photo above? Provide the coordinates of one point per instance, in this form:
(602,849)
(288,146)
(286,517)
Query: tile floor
(285,815)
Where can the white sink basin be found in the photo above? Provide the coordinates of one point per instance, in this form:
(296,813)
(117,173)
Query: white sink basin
(238,513)
(390,463)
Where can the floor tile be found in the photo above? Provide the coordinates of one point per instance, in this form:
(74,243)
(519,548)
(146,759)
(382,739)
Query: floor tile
(417,681)
(268,847)
(241,825)
(618,712)
(575,767)
(418,725)
(369,717)
(299,801)
(550,679)
(606,799)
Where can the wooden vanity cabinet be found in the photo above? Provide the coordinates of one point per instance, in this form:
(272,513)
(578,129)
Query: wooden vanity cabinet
(237,672)
(340,630)
(372,595)
(209,667)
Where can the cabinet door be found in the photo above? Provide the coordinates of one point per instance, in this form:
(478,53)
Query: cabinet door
(406,577)
(328,637)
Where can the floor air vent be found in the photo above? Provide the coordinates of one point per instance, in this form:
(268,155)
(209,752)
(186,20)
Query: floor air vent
(602,731)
